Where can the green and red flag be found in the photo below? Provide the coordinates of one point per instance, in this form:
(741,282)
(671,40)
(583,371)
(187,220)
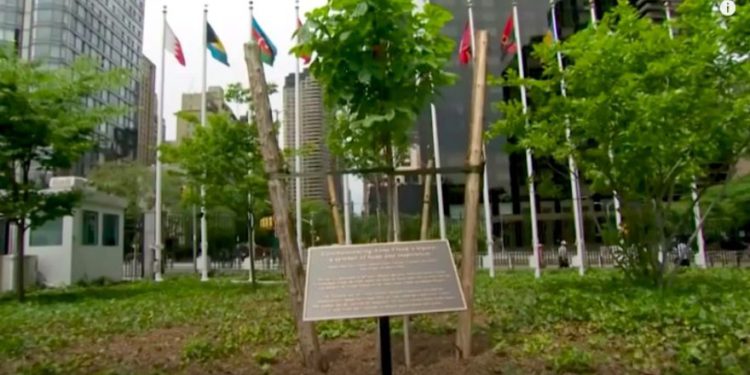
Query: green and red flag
(267,49)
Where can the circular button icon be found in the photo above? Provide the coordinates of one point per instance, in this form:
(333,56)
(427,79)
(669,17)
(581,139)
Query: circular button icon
(727,8)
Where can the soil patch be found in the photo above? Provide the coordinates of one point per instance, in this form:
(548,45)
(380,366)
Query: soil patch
(431,355)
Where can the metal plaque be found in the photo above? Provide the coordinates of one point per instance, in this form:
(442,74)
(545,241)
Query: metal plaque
(384,279)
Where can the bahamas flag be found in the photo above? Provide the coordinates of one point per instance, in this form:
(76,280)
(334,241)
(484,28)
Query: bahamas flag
(267,49)
(214,45)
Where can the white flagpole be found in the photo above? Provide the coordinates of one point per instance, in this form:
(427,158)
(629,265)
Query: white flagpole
(485,182)
(159,136)
(438,175)
(204,227)
(250,215)
(347,215)
(575,185)
(297,142)
(699,239)
(529,157)
(615,196)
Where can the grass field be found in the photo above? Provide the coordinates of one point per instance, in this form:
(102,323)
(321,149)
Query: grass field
(560,324)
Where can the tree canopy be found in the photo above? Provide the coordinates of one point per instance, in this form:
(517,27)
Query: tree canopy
(46,125)
(223,156)
(379,63)
(647,113)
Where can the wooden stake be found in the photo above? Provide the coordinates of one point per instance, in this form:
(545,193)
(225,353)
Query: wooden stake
(335,210)
(273,162)
(471,197)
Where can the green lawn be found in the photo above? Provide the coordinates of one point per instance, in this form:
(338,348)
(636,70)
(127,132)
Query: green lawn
(562,323)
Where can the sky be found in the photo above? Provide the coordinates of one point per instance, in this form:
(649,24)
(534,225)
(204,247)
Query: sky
(230,20)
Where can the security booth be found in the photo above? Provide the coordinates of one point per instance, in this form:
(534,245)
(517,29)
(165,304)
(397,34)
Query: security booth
(84,246)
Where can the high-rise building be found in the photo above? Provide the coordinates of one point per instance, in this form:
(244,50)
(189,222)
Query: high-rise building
(191,104)
(148,117)
(313,117)
(57,31)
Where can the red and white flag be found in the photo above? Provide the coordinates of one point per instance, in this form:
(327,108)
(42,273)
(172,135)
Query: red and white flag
(172,44)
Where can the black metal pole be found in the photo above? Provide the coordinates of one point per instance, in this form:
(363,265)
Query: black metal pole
(384,328)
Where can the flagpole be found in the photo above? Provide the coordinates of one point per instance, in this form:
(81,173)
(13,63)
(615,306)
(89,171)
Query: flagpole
(575,185)
(529,157)
(485,182)
(159,135)
(699,239)
(438,176)
(250,215)
(204,227)
(610,153)
(297,142)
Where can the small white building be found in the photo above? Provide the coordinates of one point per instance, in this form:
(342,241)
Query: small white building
(86,245)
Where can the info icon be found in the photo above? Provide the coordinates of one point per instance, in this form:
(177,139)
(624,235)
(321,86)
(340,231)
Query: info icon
(727,8)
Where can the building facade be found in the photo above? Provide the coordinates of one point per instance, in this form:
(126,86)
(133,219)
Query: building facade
(148,114)
(57,31)
(317,158)
(191,104)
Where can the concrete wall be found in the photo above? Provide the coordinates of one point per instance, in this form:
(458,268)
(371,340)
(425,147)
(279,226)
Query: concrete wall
(54,262)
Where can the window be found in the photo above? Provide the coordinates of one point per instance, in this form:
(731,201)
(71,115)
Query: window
(49,234)
(110,229)
(90,228)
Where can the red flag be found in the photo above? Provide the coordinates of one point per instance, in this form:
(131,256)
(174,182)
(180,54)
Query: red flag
(464,48)
(305,58)
(172,44)
(507,42)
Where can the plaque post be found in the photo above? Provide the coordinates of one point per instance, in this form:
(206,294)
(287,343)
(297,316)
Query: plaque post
(384,330)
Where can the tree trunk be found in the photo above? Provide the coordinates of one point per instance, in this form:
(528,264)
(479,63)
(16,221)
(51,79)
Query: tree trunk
(426,200)
(273,164)
(20,252)
(471,198)
(335,210)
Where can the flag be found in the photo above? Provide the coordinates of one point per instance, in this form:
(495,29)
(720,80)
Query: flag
(464,48)
(267,49)
(507,42)
(305,58)
(214,45)
(172,45)
(549,39)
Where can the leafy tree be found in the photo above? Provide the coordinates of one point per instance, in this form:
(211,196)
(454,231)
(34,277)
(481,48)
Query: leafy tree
(219,157)
(665,109)
(379,63)
(45,126)
(136,183)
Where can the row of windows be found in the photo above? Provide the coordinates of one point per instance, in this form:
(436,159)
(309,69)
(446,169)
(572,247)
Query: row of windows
(51,232)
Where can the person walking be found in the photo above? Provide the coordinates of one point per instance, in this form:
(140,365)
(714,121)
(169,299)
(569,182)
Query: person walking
(683,254)
(562,255)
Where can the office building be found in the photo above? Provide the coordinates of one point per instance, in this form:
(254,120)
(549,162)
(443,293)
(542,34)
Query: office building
(313,117)
(57,31)
(148,117)
(410,188)
(191,105)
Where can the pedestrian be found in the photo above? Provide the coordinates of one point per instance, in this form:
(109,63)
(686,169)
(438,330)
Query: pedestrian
(683,254)
(562,255)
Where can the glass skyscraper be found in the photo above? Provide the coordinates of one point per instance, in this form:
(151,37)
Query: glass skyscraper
(111,31)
